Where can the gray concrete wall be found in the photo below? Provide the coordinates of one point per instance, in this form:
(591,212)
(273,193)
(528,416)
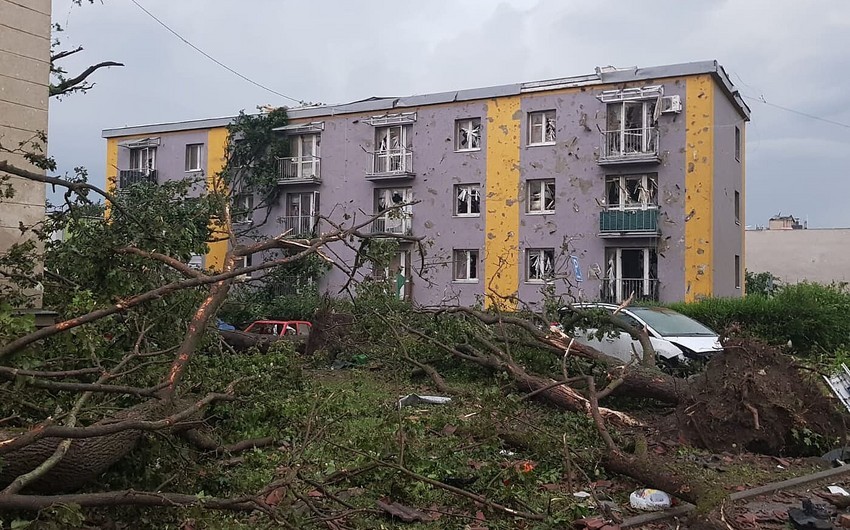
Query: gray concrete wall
(24,93)
(728,178)
(815,255)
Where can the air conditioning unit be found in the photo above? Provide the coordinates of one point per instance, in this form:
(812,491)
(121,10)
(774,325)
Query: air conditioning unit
(671,104)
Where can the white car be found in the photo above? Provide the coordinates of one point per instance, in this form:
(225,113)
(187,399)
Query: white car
(675,337)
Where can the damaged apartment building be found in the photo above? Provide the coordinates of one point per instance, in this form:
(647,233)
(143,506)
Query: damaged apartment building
(602,185)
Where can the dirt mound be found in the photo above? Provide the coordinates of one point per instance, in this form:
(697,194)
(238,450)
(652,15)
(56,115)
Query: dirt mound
(752,398)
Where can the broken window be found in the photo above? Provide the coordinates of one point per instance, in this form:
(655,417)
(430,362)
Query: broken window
(392,154)
(304,162)
(465,265)
(468,134)
(737,143)
(243,208)
(541,196)
(540,264)
(631,191)
(302,210)
(397,201)
(630,127)
(143,159)
(541,127)
(468,200)
(737,207)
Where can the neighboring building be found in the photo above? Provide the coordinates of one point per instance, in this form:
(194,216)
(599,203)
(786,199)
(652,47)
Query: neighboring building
(794,253)
(617,181)
(24,93)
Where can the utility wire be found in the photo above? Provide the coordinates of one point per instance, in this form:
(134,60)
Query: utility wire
(213,59)
(799,113)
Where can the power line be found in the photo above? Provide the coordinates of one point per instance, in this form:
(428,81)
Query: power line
(213,59)
(799,113)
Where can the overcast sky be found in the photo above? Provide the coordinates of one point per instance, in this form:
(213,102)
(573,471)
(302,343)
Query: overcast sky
(790,53)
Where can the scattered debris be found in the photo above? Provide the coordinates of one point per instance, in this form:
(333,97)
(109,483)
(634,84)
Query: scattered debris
(415,399)
(404,513)
(811,516)
(649,500)
(581,494)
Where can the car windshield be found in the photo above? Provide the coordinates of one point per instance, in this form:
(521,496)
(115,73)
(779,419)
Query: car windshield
(669,323)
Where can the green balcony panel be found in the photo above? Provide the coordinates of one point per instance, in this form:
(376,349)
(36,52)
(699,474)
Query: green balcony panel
(645,221)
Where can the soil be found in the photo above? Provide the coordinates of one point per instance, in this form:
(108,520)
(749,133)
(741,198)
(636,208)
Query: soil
(752,398)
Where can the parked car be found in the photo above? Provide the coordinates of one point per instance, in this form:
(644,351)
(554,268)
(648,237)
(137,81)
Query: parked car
(263,332)
(280,328)
(675,337)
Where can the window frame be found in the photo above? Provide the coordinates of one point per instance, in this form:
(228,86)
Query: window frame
(470,189)
(471,124)
(248,216)
(199,147)
(139,165)
(543,126)
(737,271)
(539,252)
(541,184)
(737,143)
(737,200)
(469,258)
(622,186)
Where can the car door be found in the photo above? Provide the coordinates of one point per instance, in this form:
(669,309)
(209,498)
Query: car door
(616,344)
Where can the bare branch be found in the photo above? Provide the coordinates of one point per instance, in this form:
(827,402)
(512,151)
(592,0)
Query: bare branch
(68,86)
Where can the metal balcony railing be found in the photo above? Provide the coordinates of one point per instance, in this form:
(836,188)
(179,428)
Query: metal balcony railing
(615,291)
(128,177)
(300,225)
(392,225)
(629,145)
(638,221)
(392,162)
(299,168)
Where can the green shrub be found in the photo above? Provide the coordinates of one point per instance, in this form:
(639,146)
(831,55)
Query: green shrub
(812,316)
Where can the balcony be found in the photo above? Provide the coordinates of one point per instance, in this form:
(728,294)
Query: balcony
(393,225)
(299,170)
(629,223)
(391,164)
(614,291)
(128,177)
(300,225)
(626,146)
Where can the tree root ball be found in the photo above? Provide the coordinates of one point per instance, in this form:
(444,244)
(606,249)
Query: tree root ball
(753,398)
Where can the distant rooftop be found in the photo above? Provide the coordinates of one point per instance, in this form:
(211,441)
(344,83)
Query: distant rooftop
(602,76)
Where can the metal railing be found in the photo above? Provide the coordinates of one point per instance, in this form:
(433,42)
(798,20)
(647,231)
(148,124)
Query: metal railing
(615,291)
(392,161)
(392,225)
(299,167)
(128,177)
(643,220)
(300,225)
(627,144)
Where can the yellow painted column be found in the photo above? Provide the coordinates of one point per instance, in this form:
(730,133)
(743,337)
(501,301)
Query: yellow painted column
(501,246)
(216,153)
(111,169)
(699,175)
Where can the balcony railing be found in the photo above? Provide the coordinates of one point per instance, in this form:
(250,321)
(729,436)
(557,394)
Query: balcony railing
(629,145)
(392,163)
(299,169)
(392,225)
(615,291)
(300,225)
(634,222)
(128,177)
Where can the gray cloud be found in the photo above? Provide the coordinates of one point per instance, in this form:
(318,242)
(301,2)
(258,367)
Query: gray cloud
(792,53)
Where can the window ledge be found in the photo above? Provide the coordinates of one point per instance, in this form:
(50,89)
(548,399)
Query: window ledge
(467,282)
(542,144)
(467,215)
(544,212)
(194,171)
(737,222)
(472,150)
